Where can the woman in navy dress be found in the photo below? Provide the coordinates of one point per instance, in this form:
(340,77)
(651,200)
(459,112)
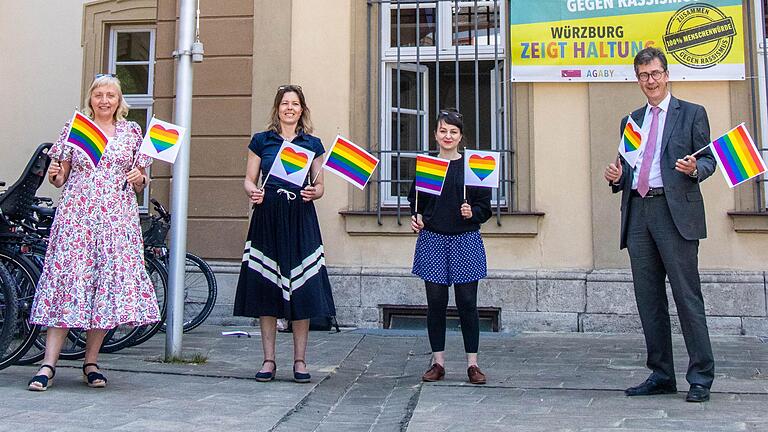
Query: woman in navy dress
(283,274)
(449,250)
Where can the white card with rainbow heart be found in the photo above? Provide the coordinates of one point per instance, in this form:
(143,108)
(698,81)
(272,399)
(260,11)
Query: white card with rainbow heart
(163,140)
(292,163)
(481,168)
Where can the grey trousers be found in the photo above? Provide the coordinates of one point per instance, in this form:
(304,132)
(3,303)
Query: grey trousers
(656,249)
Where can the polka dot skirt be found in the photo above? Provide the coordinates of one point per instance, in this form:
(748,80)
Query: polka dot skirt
(449,259)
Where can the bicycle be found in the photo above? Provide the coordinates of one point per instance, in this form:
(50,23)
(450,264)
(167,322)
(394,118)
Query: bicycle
(8,311)
(15,207)
(200,289)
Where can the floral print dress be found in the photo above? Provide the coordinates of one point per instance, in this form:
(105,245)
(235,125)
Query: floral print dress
(94,275)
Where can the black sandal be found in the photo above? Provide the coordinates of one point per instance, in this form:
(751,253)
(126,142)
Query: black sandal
(300,377)
(43,380)
(266,376)
(94,379)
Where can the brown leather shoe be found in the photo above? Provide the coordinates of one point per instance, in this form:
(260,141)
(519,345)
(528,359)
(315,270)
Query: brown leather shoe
(434,373)
(475,375)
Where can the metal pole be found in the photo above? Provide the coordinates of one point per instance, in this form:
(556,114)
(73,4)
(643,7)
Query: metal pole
(183,117)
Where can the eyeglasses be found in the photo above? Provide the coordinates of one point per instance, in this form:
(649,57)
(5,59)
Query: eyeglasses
(289,87)
(645,76)
(102,75)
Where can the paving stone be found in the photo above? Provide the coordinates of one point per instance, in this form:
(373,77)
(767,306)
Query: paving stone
(370,380)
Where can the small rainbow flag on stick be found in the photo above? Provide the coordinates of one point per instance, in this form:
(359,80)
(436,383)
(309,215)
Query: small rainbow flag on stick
(350,162)
(87,137)
(632,141)
(738,156)
(430,174)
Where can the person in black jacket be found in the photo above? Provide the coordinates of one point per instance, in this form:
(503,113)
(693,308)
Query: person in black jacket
(449,249)
(662,221)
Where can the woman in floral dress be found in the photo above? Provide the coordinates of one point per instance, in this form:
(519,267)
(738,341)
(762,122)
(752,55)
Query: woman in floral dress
(94,276)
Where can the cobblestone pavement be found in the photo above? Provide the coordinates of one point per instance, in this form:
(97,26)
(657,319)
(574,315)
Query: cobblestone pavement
(369,380)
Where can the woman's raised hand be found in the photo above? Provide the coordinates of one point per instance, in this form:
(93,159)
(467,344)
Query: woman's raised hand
(417,223)
(135,178)
(54,170)
(312,192)
(255,195)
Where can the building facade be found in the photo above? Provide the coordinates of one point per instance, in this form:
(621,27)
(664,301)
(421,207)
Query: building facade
(377,72)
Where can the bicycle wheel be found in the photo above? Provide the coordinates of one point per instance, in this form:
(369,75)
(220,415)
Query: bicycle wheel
(200,292)
(25,275)
(159,277)
(74,344)
(36,352)
(8,311)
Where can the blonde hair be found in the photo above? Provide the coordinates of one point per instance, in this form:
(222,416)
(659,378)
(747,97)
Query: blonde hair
(304,124)
(101,81)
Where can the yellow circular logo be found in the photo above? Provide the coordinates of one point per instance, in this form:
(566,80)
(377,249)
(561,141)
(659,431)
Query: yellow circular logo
(699,36)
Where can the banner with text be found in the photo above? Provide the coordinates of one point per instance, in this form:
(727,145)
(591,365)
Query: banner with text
(597,40)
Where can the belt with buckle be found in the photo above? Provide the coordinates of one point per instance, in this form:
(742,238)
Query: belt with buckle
(652,192)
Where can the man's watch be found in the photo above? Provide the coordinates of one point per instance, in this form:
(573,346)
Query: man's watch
(695,173)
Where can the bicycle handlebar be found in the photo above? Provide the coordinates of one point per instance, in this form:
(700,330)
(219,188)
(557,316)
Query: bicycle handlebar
(160,209)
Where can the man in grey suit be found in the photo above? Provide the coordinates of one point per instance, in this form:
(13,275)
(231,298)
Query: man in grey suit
(662,220)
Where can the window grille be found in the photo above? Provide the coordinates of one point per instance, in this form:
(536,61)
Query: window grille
(432,55)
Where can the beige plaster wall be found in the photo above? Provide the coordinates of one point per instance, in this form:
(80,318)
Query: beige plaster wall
(40,75)
(320,63)
(564,161)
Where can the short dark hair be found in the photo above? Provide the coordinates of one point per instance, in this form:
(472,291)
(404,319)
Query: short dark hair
(452,117)
(647,55)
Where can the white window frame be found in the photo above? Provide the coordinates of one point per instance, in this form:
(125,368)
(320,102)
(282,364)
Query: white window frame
(136,101)
(445,32)
(390,113)
(428,54)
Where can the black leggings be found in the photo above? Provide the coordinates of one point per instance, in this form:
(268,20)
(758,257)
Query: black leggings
(466,303)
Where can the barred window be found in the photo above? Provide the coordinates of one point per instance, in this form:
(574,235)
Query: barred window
(433,55)
(131,57)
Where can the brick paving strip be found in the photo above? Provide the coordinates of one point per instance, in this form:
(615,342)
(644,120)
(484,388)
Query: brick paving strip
(370,381)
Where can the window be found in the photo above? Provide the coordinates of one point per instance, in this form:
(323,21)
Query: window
(438,54)
(132,57)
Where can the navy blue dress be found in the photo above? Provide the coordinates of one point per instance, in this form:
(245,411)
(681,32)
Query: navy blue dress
(283,272)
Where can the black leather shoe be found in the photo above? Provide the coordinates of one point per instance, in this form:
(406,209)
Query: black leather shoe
(651,387)
(697,393)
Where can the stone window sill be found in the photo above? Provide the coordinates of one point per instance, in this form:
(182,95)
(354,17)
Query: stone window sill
(361,223)
(749,222)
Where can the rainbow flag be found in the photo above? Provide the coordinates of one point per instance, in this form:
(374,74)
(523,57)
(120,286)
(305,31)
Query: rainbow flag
(738,156)
(631,142)
(350,162)
(430,174)
(86,136)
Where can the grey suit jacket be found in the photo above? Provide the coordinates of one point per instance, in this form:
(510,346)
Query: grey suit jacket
(686,130)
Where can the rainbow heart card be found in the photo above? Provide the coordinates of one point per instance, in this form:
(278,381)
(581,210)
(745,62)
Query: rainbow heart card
(632,142)
(292,164)
(481,168)
(163,140)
